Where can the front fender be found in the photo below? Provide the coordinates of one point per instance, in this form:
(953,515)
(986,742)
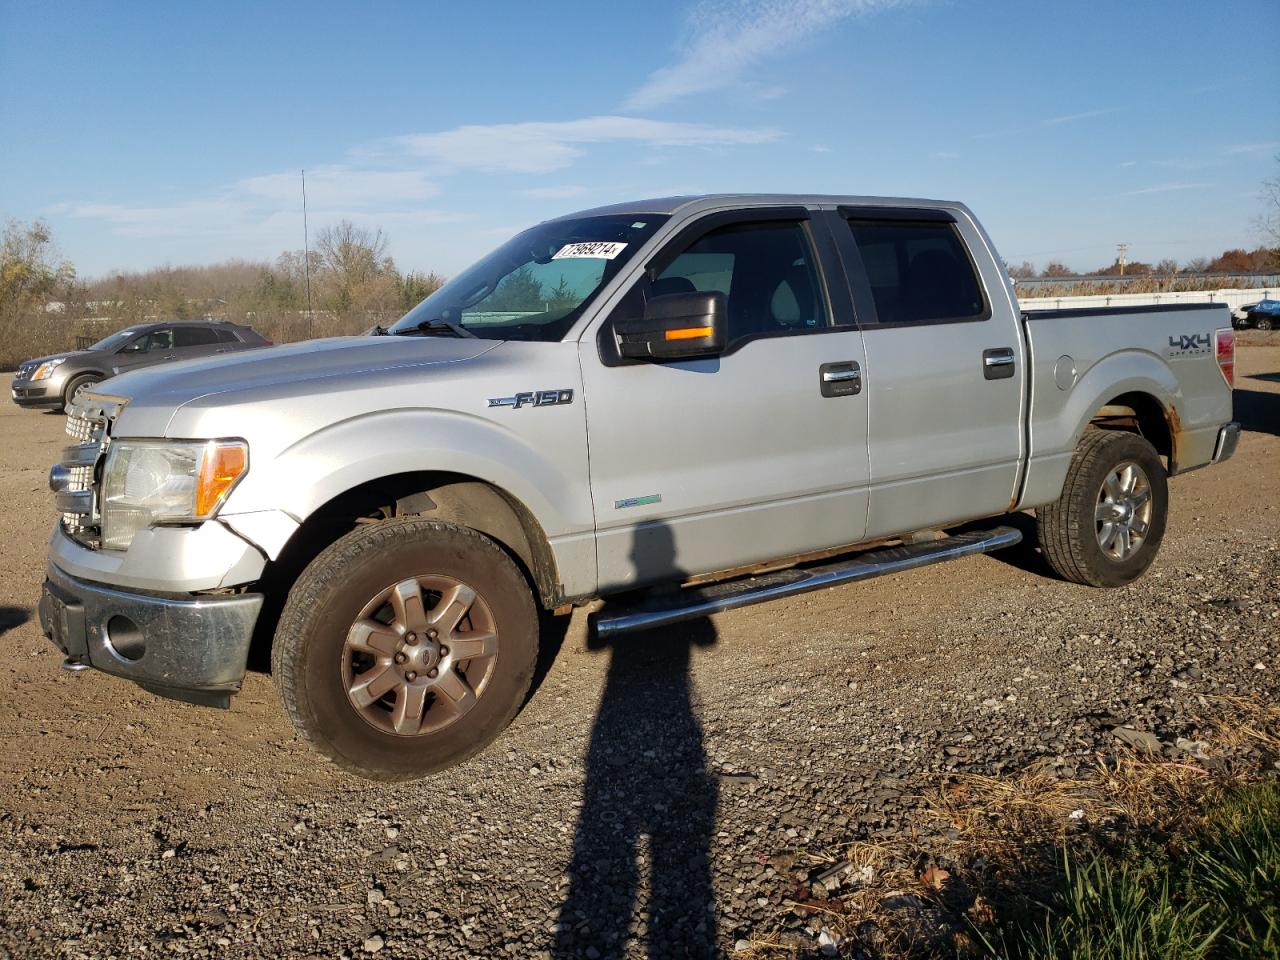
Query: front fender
(314,470)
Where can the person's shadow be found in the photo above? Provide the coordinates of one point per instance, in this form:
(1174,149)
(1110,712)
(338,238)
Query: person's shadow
(649,805)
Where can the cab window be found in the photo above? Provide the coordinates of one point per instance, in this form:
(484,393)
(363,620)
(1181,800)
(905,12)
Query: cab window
(765,270)
(918,272)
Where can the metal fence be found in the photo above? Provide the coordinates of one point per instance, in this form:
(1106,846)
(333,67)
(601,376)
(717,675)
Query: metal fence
(1222,279)
(1234,299)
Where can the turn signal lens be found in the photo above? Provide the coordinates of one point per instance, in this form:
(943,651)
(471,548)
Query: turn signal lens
(688,333)
(221,467)
(1226,343)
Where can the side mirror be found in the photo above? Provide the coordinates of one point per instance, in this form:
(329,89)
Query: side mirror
(678,326)
(133,347)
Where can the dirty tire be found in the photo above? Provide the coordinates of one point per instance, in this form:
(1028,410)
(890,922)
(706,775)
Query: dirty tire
(76,383)
(1264,323)
(310,644)
(1068,528)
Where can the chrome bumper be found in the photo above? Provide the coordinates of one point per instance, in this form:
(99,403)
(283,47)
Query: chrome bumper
(1228,438)
(193,650)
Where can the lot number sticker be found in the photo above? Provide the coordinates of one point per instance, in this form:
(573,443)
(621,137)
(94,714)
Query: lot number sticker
(595,250)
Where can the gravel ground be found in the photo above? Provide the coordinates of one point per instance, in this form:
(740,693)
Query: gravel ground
(668,794)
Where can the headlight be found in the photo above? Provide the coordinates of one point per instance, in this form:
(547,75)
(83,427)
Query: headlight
(150,482)
(45,370)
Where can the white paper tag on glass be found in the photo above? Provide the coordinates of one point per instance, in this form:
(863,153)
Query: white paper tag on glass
(595,250)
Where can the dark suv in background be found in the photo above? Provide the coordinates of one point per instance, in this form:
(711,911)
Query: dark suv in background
(53,381)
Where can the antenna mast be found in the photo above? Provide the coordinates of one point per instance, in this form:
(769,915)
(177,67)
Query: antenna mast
(306,251)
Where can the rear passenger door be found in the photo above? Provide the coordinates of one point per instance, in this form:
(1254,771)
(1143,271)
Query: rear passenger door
(944,374)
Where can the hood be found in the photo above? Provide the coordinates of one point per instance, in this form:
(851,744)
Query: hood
(53,356)
(310,366)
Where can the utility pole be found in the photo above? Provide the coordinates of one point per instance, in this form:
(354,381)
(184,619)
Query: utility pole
(306,251)
(1123,248)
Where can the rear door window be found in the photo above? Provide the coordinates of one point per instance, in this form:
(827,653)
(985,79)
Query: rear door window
(918,272)
(193,336)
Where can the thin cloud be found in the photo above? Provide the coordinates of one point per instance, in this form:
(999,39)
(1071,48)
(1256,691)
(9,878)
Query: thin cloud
(1238,148)
(1083,115)
(726,39)
(1165,188)
(555,193)
(1047,122)
(390,182)
(342,184)
(542,146)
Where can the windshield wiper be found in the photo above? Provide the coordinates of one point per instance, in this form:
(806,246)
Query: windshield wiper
(436,328)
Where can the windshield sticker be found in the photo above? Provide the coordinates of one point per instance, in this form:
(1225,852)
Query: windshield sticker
(595,250)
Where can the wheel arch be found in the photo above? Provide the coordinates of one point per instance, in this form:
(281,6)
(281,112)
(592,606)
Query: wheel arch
(1140,412)
(440,495)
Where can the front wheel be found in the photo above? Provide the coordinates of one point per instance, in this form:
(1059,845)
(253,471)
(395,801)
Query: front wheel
(406,647)
(1264,323)
(1106,528)
(77,386)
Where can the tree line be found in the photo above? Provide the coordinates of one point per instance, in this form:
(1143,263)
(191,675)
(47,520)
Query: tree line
(45,305)
(1261,259)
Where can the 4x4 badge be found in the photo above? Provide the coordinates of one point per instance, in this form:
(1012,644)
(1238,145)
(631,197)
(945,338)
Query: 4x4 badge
(536,398)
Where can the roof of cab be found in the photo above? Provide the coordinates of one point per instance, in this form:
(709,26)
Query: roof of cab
(671,205)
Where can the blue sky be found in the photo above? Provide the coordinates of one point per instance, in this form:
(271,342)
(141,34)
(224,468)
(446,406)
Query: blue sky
(173,133)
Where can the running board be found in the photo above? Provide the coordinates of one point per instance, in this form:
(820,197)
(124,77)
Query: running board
(695,602)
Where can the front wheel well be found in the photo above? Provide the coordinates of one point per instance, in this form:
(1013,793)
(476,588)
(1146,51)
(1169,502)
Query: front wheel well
(456,498)
(1143,414)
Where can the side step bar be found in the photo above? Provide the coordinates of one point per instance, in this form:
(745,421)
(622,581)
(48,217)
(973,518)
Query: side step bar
(697,602)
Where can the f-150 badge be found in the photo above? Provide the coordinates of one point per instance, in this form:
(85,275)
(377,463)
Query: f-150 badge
(535,398)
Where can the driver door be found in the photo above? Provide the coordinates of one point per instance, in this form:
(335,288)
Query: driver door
(709,464)
(153,347)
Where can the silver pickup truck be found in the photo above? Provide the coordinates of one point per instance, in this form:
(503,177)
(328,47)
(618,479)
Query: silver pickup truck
(734,397)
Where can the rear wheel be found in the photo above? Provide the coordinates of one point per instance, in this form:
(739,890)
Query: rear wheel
(406,647)
(1105,529)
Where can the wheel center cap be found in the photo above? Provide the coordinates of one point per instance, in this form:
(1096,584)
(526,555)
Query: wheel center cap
(420,657)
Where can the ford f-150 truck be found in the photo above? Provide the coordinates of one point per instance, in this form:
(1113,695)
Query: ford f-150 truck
(734,397)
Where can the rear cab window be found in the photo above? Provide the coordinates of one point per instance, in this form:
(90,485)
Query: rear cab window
(919,271)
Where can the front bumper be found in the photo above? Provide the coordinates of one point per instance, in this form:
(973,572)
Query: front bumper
(36,393)
(192,649)
(1228,439)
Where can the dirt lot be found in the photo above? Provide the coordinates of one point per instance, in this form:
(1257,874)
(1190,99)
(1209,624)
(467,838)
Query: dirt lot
(665,795)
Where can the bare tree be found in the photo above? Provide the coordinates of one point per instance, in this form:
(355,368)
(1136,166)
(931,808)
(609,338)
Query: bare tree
(351,252)
(1022,271)
(1167,267)
(1196,265)
(357,276)
(1269,219)
(1055,268)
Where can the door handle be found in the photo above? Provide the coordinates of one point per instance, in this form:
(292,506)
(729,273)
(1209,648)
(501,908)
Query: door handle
(170,356)
(997,363)
(840,379)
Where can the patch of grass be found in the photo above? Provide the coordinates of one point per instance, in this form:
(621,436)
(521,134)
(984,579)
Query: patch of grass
(1211,892)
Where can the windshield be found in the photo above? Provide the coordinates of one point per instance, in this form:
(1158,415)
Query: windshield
(535,285)
(117,339)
